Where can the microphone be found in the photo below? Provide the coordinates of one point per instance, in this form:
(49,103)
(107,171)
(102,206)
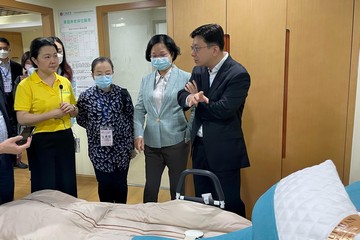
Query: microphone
(61,92)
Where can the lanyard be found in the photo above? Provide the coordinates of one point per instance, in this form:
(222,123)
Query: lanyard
(104,111)
(2,70)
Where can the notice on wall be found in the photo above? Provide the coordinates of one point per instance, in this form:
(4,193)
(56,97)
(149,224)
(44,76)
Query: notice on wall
(78,32)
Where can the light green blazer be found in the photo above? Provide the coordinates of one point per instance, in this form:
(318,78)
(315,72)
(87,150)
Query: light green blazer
(168,126)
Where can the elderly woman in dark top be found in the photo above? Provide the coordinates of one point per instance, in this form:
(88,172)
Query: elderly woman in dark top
(106,112)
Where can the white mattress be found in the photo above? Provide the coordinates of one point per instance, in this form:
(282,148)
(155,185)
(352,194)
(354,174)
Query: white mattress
(51,214)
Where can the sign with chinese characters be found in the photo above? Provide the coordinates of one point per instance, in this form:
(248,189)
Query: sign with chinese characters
(78,32)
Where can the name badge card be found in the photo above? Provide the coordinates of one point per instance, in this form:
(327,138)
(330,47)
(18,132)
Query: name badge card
(106,136)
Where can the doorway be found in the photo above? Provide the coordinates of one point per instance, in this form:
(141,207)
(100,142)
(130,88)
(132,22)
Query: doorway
(34,11)
(129,33)
(20,23)
(123,36)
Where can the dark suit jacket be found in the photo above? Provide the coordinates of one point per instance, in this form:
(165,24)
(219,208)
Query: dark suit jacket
(16,70)
(221,119)
(5,114)
(3,110)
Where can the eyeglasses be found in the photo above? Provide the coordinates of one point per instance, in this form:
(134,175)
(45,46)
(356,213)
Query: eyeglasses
(196,49)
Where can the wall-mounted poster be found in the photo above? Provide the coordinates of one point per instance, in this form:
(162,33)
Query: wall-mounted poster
(78,31)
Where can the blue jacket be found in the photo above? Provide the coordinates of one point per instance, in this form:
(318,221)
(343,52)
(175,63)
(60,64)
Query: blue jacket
(169,126)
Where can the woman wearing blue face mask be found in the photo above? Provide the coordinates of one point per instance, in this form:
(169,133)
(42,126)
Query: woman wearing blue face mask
(163,136)
(107,113)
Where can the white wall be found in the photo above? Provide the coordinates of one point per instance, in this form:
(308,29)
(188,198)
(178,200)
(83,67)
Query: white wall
(128,44)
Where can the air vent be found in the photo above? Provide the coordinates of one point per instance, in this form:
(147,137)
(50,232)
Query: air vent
(8,12)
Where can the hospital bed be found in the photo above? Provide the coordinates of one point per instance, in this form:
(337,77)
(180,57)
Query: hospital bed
(308,204)
(50,214)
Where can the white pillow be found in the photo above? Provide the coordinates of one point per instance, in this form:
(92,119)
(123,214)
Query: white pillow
(310,203)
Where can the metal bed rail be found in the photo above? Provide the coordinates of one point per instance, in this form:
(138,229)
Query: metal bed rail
(206,197)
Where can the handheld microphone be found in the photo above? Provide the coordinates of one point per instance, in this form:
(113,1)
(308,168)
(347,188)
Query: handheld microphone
(61,93)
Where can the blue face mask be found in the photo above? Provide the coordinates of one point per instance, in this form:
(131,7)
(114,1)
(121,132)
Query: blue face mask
(161,63)
(31,70)
(103,81)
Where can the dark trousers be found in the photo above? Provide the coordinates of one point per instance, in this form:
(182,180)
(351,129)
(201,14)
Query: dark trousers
(112,187)
(174,157)
(230,181)
(52,159)
(6,178)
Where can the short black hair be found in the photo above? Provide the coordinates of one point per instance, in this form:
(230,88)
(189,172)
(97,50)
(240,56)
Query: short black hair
(98,60)
(37,44)
(211,33)
(4,40)
(167,41)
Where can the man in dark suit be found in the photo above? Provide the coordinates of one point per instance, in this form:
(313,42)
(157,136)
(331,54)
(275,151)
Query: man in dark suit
(8,151)
(9,70)
(218,87)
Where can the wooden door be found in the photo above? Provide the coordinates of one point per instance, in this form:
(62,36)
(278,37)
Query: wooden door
(320,38)
(257,41)
(183,16)
(16,44)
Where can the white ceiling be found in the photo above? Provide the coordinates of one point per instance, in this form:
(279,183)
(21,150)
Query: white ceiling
(15,21)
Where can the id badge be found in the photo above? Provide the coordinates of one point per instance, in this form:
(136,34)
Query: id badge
(7,86)
(77,145)
(106,136)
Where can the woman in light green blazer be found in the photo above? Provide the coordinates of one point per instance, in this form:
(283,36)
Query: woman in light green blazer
(161,128)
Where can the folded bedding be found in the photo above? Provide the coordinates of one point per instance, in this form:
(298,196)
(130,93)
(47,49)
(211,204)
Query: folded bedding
(50,214)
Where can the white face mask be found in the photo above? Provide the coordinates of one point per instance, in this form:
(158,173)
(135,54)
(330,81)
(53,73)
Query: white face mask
(60,57)
(4,54)
(31,70)
(28,66)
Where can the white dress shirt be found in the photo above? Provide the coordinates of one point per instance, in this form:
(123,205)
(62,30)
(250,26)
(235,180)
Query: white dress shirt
(212,75)
(159,88)
(3,128)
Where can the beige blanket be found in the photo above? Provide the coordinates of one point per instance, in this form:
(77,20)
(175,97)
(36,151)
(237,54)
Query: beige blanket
(50,214)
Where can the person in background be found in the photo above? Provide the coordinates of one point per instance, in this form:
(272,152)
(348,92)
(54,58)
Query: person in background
(10,71)
(107,113)
(46,100)
(7,183)
(27,67)
(64,67)
(8,151)
(218,88)
(162,136)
